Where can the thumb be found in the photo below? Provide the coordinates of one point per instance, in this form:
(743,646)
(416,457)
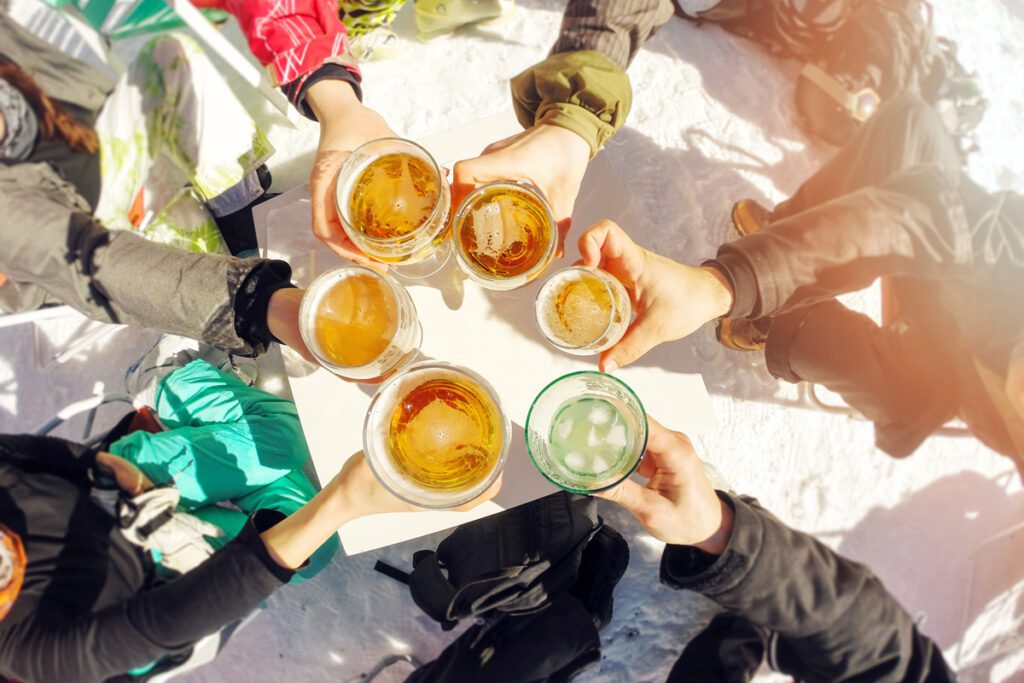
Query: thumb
(631,496)
(638,340)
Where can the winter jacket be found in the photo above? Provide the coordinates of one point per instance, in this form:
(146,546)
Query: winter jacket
(583,85)
(89,608)
(53,251)
(299,41)
(832,619)
(895,203)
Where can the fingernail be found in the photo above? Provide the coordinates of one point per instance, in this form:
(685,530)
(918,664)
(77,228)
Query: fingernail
(611,366)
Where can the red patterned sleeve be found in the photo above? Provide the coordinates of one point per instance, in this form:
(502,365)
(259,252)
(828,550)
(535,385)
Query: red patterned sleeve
(293,38)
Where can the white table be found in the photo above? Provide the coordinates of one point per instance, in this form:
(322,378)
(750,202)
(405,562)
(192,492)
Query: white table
(493,333)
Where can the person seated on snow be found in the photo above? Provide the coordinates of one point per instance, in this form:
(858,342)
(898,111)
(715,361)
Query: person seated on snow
(91,591)
(572,103)
(58,246)
(308,51)
(892,204)
(783,595)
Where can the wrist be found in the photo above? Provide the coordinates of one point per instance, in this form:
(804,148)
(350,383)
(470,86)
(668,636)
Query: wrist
(718,291)
(330,100)
(566,141)
(718,540)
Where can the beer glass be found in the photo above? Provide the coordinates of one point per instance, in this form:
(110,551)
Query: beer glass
(586,432)
(505,235)
(583,310)
(435,435)
(359,324)
(393,201)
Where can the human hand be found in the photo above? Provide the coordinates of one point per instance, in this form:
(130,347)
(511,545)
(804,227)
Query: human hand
(354,492)
(283,320)
(670,300)
(129,478)
(678,504)
(365,495)
(344,125)
(552,158)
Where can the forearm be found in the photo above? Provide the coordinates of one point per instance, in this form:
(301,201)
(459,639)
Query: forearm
(154,623)
(616,29)
(293,540)
(831,613)
(294,38)
(904,227)
(117,276)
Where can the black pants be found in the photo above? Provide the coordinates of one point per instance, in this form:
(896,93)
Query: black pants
(886,373)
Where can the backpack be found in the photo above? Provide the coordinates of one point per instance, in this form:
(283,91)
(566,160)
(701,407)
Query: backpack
(857,54)
(548,566)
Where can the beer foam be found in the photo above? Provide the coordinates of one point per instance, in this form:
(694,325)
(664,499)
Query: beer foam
(576,325)
(495,229)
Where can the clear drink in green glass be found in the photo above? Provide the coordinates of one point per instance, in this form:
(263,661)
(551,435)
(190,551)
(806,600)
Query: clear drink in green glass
(586,432)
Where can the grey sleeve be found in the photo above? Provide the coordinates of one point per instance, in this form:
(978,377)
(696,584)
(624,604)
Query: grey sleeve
(615,28)
(51,242)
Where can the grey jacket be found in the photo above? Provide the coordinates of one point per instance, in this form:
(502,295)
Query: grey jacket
(53,251)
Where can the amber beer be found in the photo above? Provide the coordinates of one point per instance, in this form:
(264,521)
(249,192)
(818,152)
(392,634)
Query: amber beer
(435,435)
(393,195)
(583,310)
(505,235)
(393,200)
(359,324)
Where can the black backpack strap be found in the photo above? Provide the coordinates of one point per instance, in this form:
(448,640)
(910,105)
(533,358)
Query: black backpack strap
(392,572)
(430,588)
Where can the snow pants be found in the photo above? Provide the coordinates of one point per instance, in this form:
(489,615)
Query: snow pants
(226,442)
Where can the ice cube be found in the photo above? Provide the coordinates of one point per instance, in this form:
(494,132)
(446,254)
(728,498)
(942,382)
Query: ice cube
(599,415)
(616,436)
(564,428)
(592,438)
(574,460)
(599,464)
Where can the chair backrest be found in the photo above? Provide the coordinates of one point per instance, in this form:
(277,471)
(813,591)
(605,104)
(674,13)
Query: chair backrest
(123,18)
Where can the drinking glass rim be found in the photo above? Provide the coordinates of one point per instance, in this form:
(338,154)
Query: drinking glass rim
(643,446)
(519,186)
(540,292)
(346,223)
(393,287)
(506,427)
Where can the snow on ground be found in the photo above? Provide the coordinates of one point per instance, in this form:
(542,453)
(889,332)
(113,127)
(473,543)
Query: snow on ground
(712,122)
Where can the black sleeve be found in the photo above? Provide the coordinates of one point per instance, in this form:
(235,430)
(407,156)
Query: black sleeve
(834,619)
(253,298)
(47,454)
(233,582)
(297,90)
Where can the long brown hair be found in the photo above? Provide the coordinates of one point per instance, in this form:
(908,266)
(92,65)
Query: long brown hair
(55,122)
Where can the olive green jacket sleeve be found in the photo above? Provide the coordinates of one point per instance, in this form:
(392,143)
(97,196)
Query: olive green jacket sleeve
(583,85)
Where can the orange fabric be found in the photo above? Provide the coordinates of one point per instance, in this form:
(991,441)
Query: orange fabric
(10,544)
